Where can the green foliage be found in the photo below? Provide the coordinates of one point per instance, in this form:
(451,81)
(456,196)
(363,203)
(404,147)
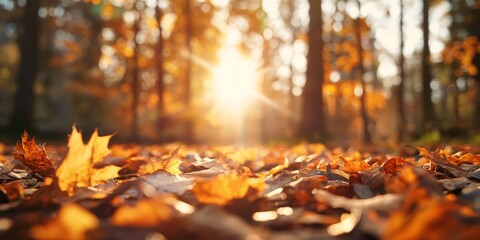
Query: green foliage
(429,138)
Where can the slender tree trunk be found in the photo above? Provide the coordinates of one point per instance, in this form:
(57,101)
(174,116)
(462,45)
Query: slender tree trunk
(475,22)
(23,111)
(188,70)
(428,113)
(291,101)
(135,85)
(160,73)
(94,47)
(367,138)
(291,96)
(313,120)
(476,113)
(401,86)
(266,89)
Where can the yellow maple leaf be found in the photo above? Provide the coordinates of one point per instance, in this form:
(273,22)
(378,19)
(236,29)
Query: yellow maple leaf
(77,169)
(170,164)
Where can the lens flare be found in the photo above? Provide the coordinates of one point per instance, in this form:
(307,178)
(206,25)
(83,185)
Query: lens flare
(234,81)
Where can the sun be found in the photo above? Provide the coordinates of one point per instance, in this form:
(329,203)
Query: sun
(234,81)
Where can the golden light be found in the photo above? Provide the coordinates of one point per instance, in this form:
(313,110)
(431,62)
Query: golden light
(234,81)
(265,216)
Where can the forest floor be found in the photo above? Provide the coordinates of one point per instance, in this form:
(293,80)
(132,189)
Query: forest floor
(95,190)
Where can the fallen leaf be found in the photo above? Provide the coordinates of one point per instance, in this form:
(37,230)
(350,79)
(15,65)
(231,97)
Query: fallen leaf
(475,174)
(382,202)
(363,191)
(467,158)
(425,217)
(455,183)
(440,158)
(221,189)
(101,174)
(213,171)
(13,190)
(423,152)
(71,222)
(354,166)
(77,169)
(144,213)
(47,194)
(171,164)
(6,164)
(164,182)
(33,156)
(392,165)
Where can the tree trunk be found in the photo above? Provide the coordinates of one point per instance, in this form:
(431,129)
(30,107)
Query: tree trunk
(401,86)
(266,90)
(428,113)
(291,97)
(135,85)
(188,70)
(476,113)
(160,73)
(475,22)
(367,138)
(23,111)
(313,120)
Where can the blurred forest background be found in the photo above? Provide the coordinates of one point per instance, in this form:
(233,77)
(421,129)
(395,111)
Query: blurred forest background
(250,71)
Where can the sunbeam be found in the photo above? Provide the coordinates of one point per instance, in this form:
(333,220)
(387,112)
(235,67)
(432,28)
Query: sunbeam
(235,83)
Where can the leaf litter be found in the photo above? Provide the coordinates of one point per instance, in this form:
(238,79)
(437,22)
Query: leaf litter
(223,192)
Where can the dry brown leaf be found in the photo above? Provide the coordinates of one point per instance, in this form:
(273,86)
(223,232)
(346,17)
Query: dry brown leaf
(145,213)
(33,156)
(423,152)
(224,188)
(354,166)
(77,169)
(467,158)
(72,222)
(47,194)
(171,164)
(424,217)
(392,165)
(13,190)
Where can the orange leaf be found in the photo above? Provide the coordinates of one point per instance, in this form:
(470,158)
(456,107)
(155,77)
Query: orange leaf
(171,164)
(33,156)
(424,217)
(425,153)
(392,165)
(72,222)
(354,166)
(468,158)
(13,190)
(77,170)
(221,189)
(145,213)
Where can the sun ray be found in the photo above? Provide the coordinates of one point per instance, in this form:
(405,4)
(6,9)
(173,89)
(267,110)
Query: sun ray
(199,61)
(264,99)
(235,82)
